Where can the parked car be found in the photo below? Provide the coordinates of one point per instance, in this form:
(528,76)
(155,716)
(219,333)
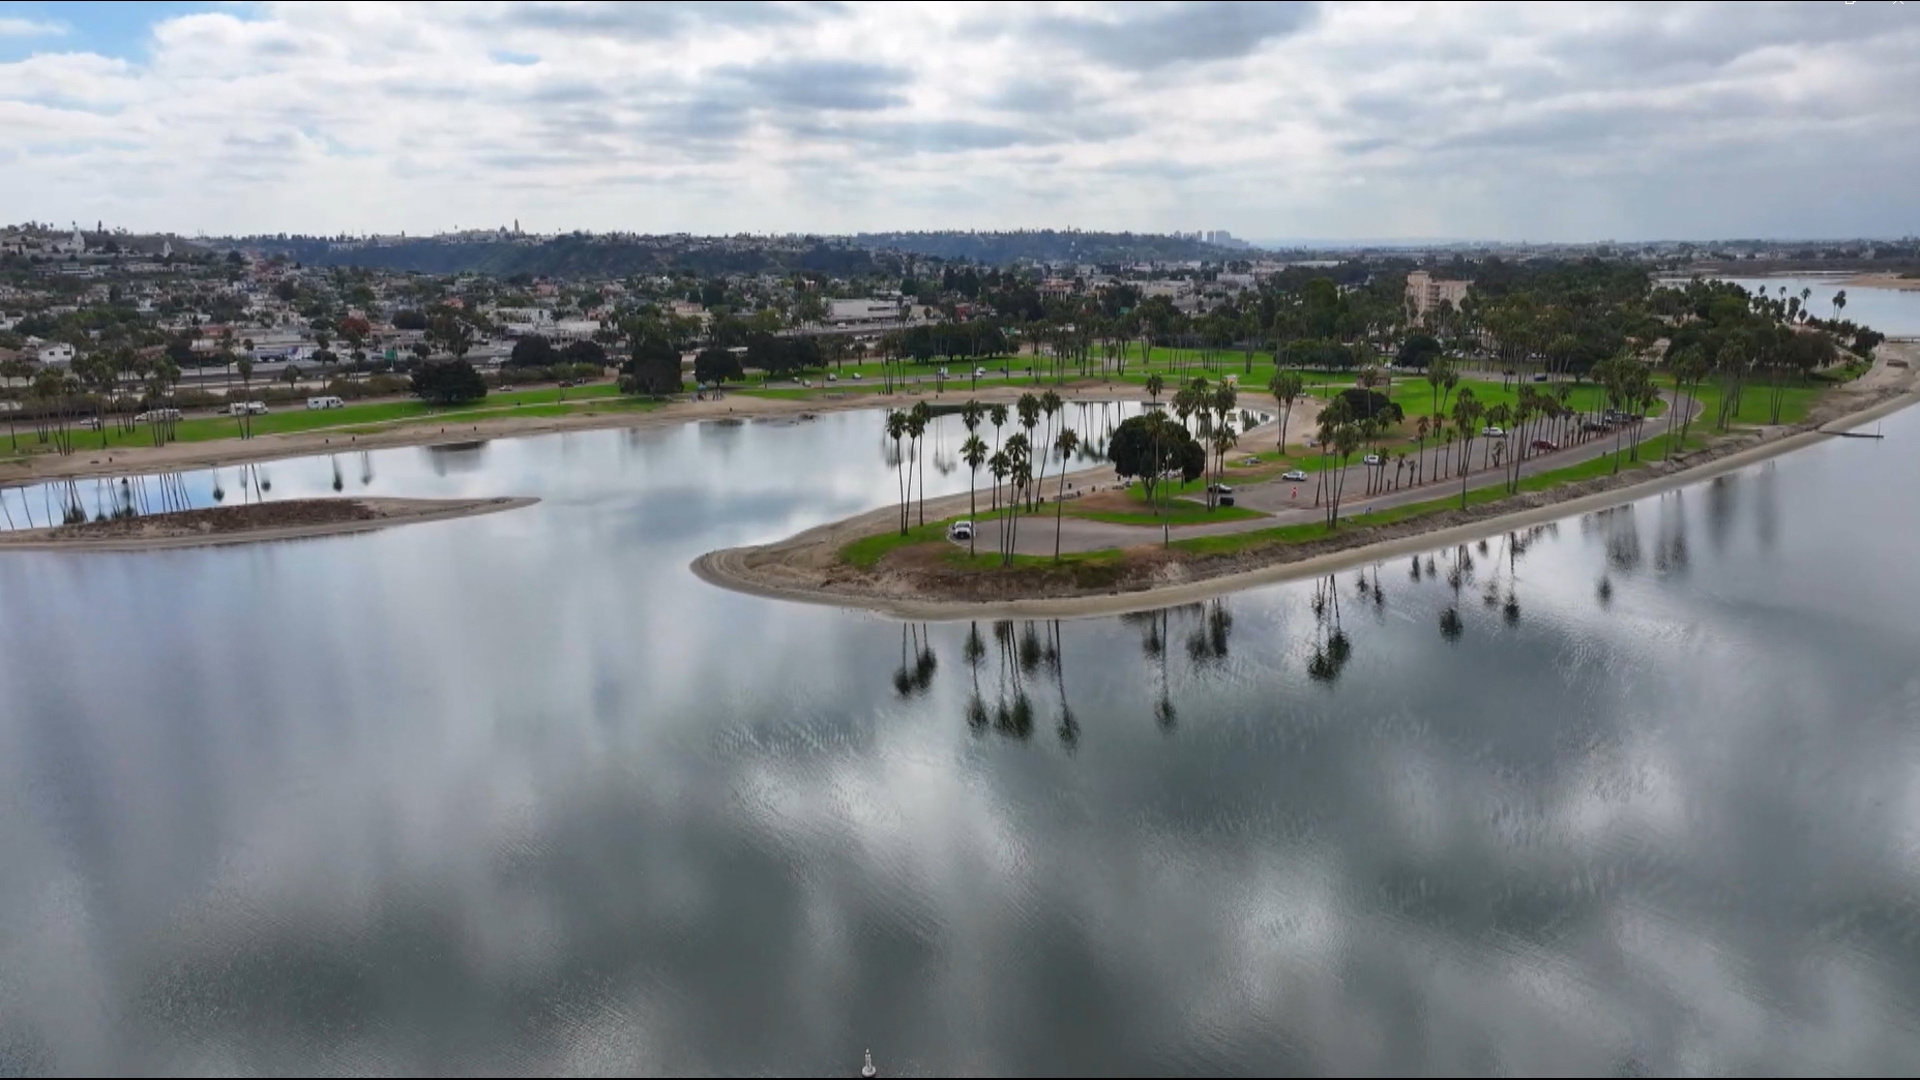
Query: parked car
(1491,432)
(154,415)
(831,377)
(960,530)
(1222,494)
(1545,445)
(327,401)
(1539,376)
(1371,459)
(856,376)
(1295,475)
(979,373)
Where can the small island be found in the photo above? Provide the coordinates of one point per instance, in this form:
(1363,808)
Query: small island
(289,519)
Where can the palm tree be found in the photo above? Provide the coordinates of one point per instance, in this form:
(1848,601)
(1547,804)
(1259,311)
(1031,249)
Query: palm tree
(1421,427)
(1029,409)
(917,420)
(1286,387)
(1436,376)
(1001,467)
(997,416)
(974,453)
(1466,421)
(1223,400)
(1500,416)
(1050,404)
(1066,443)
(1346,440)
(897,430)
(1020,467)
(1839,302)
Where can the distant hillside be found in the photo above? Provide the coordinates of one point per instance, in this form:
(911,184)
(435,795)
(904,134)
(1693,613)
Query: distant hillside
(1049,245)
(583,255)
(619,255)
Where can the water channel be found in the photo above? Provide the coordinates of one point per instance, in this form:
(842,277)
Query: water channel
(1637,792)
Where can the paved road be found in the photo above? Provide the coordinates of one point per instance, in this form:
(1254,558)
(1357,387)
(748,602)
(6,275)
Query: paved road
(1287,503)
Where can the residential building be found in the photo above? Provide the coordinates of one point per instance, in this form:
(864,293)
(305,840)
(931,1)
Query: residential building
(1426,292)
(55,354)
(858,312)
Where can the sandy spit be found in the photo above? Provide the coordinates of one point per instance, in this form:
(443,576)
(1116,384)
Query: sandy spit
(802,568)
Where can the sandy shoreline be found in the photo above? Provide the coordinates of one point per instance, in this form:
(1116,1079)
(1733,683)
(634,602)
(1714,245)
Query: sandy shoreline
(176,457)
(158,535)
(805,568)
(1882,281)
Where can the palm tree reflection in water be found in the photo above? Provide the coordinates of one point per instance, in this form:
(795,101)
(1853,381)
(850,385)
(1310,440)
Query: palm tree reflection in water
(917,662)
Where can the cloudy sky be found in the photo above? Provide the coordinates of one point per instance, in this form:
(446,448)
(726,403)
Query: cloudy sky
(1286,120)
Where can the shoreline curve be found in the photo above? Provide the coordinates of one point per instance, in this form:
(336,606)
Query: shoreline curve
(728,568)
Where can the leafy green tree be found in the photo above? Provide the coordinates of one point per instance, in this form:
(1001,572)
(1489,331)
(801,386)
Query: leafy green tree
(653,369)
(590,353)
(448,382)
(1139,452)
(533,351)
(717,366)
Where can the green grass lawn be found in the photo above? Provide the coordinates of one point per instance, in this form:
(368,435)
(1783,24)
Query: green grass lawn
(1756,402)
(1177,512)
(570,408)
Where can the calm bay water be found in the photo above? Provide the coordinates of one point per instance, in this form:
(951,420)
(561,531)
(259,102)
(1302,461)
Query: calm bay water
(1894,312)
(518,794)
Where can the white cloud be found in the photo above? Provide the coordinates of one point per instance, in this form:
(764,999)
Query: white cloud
(1328,120)
(17,27)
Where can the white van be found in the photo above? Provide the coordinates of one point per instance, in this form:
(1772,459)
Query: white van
(246,408)
(327,402)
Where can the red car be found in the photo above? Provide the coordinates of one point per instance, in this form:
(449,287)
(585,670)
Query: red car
(1545,445)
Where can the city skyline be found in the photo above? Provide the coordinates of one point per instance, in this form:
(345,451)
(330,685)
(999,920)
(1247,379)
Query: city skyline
(1348,123)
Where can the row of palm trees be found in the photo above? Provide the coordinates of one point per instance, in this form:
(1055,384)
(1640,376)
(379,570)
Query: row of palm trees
(1537,416)
(62,397)
(1019,462)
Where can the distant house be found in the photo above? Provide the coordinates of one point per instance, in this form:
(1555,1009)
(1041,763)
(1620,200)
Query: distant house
(55,354)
